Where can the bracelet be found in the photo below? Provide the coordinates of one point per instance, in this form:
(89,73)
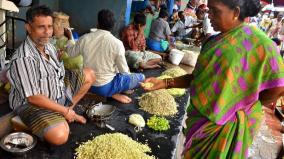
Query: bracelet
(169,82)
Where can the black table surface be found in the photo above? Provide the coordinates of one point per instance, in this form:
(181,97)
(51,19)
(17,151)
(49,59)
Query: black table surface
(163,144)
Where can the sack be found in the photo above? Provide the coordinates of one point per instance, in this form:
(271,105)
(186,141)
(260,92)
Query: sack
(189,58)
(176,56)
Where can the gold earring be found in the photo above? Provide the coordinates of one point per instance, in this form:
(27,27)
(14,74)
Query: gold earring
(235,18)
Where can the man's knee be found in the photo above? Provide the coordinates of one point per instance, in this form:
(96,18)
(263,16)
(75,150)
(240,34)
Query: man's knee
(89,75)
(57,135)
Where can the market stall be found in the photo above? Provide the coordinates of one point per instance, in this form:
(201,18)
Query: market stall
(163,144)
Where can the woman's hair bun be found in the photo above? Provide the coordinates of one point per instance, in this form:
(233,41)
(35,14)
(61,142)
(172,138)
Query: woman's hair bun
(248,8)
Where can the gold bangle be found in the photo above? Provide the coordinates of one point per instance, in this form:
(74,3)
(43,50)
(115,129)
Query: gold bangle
(165,81)
(169,82)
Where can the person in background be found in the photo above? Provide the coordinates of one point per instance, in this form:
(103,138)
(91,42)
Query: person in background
(281,35)
(275,26)
(105,54)
(191,7)
(237,72)
(134,42)
(43,93)
(265,22)
(182,27)
(174,17)
(148,10)
(149,13)
(177,5)
(154,4)
(278,43)
(206,26)
(163,5)
(254,21)
(159,38)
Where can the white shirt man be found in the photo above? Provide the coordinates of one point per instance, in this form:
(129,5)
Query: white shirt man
(207,27)
(105,54)
(183,26)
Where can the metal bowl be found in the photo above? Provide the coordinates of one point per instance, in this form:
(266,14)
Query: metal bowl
(18,143)
(100,112)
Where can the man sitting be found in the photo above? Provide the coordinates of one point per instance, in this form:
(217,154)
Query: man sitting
(182,27)
(160,32)
(191,7)
(202,15)
(207,30)
(134,41)
(41,89)
(105,54)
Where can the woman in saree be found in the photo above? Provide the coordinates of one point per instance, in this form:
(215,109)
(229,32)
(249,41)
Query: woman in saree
(237,72)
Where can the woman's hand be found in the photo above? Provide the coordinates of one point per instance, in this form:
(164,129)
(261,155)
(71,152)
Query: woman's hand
(155,84)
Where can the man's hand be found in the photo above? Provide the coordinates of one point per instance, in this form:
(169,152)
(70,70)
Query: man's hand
(71,116)
(68,113)
(60,54)
(157,84)
(141,29)
(187,27)
(67,33)
(197,43)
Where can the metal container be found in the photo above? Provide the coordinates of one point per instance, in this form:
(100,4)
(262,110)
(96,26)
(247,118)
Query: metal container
(18,143)
(100,112)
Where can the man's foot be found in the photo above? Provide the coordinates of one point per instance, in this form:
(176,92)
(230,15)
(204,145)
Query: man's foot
(122,98)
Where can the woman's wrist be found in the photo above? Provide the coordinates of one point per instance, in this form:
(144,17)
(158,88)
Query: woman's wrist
(169,82)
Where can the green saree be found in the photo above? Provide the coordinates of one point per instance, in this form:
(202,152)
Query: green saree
(225,111)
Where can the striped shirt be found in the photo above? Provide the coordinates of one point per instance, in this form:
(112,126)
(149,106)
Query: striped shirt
(31,74)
